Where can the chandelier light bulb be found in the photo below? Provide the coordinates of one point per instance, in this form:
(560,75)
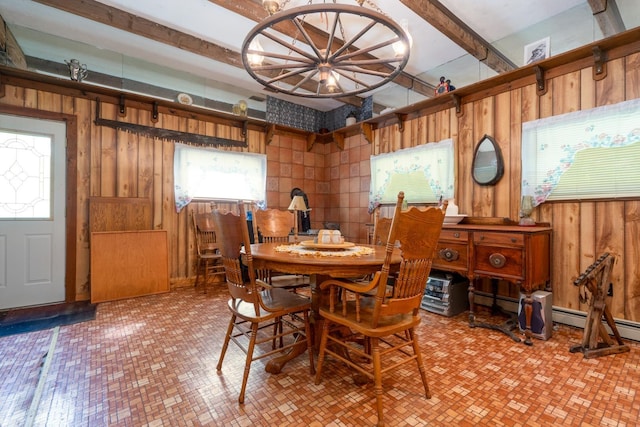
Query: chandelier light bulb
(255,59)
(399,47)
(332,81)
(325,72)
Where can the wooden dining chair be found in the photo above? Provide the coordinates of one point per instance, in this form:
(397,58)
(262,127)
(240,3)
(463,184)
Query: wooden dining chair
(209,260)
(259,314)
(386,322)
(274,226)
(381,229)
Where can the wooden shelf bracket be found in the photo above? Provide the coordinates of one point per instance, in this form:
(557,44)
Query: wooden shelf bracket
(122,109)
(401,119)
(270,133)
(311,140)
(599,63)
(457,102)
(541,83)
(338,138)
(154,112)
(367,131)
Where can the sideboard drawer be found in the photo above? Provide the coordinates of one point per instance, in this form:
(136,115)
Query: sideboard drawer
(451,257)
(454,235)
(487,238)
(499,262)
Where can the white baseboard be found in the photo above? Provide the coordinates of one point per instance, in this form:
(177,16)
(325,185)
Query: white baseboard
(627,329)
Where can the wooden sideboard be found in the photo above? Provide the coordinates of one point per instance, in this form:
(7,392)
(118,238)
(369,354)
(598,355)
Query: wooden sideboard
(513,253)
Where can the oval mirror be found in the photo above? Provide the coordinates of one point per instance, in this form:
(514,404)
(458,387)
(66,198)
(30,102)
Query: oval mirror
(487,168)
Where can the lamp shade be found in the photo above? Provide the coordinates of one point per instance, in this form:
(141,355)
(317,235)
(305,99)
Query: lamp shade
(297,204)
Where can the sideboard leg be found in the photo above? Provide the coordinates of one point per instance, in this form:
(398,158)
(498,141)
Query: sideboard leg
(472,317)
(506,328)
(528,309)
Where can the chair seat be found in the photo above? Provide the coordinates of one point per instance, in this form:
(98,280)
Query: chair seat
(387,325)
(277,302)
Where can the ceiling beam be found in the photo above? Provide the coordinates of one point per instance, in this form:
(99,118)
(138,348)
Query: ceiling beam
(608,16)
(451,26)
(10,51)
(255,12)
(107,15)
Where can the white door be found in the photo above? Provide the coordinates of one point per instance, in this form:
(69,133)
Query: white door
(32,211)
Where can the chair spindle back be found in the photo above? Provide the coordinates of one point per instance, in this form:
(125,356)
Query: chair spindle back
(233,236)
(274,225)
(416,232)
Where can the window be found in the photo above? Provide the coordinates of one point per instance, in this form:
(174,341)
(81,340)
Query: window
(25,176)
(208,173)
(424,173)
(589,154)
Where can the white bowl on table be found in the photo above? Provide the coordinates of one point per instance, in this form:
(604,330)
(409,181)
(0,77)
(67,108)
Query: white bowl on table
(451,216)
(453,219)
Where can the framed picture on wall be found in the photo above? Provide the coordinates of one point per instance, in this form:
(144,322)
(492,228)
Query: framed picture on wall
(537,51)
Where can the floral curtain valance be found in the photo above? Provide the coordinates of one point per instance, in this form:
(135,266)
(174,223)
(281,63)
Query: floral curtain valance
(588,154)
(208,173)
(424,173)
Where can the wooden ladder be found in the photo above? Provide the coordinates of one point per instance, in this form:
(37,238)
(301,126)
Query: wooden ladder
(595,280)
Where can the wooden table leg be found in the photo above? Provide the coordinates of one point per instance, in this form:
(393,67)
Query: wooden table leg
(275,365)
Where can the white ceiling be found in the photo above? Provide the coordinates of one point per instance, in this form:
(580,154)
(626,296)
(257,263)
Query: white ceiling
(509,25)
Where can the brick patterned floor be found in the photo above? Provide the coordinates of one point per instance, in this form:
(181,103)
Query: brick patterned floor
(151,361)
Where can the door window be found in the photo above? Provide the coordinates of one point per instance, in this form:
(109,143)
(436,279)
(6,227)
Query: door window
(25,176)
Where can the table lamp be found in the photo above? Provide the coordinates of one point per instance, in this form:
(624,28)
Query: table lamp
(297,204)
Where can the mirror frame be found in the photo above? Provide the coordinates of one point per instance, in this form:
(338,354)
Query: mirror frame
(499,161)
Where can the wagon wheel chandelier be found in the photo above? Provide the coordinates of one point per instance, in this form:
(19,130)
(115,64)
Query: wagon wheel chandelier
(359,49)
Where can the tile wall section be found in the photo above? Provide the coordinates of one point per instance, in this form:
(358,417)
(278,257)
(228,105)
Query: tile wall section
(300,117)
(335,181)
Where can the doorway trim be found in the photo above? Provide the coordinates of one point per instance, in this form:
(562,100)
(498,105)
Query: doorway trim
(71,204)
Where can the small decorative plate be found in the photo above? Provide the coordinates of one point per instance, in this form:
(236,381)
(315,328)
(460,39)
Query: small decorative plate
(185,99)
(314,245)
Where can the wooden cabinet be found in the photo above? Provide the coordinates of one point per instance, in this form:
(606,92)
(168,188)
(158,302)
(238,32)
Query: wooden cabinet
(517,254)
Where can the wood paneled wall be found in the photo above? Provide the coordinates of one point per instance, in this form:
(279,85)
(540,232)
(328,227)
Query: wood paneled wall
(108,163)
(582,231)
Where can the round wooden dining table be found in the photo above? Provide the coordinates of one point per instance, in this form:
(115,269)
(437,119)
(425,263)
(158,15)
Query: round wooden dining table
(320,262)
(320,265)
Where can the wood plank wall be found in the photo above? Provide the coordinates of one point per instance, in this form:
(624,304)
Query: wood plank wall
(110,163)
(582,231)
